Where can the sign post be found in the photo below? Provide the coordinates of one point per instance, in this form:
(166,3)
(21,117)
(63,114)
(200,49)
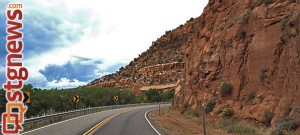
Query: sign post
(203,118)
(159,109)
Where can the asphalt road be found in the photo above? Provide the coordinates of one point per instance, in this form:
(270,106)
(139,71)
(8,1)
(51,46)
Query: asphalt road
(129,121)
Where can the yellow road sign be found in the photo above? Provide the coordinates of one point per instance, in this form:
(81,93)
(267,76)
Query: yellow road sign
(76,98)
(26,97)
(116,97)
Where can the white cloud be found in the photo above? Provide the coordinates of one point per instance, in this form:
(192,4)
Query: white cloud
(114,31)
(65,83)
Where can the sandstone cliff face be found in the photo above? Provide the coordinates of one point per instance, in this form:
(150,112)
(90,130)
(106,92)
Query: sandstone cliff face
(252,45)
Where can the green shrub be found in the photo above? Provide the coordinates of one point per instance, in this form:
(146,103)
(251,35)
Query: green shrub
(193,113)
(246,16)
(226,88)
(202,62)
(180,59)
(191,72)
(241,34)
(152,95)
(277,132)
(268,118)
(228,112)
(287,124)
(210,105)
(240,128)
(236,127)
(210,52)
(267,2)
(263,73)
(251,96)
(298,109)
(185,105)
(284,22)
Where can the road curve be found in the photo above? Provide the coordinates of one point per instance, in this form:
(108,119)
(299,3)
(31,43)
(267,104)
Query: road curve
(130,120)
(129,123)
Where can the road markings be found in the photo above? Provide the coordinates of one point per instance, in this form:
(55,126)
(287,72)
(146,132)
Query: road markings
(150,122)
(59,123)
(100,124)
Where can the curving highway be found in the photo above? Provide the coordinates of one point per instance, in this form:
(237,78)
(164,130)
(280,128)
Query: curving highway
(124,121)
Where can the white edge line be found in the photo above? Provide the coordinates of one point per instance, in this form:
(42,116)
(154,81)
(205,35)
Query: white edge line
(71,119)
(60,122)
(150,122)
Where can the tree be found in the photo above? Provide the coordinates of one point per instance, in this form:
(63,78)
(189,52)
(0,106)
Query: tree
(153,95)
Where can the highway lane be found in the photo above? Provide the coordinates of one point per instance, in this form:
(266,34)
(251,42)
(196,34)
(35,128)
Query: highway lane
(129,123)
(79,125)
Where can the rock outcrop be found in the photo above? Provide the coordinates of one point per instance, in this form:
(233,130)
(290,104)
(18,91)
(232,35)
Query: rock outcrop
(253,46)
(161,65)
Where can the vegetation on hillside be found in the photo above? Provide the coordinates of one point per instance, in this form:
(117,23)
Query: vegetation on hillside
(60,100)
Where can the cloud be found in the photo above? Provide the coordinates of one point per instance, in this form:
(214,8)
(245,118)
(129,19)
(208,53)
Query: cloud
(65,83)
(71,42)
(81,69)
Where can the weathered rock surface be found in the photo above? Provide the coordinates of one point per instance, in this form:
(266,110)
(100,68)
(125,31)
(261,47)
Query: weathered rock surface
(254,45)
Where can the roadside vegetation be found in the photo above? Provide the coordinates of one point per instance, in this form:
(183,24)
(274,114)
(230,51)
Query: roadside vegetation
(234,126)
(60,100)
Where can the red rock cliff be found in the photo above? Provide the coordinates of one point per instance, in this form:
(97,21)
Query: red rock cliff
(252,45)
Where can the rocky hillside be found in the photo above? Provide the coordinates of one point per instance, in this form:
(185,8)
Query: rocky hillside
(239,54)
(160,67)
(245,55)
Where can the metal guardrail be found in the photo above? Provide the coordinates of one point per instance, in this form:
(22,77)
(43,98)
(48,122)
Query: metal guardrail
(37,122)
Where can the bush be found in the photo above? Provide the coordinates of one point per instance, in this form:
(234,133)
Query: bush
(241,34)
(277,132)
(283,23)
(246,16)
(226,88)
(210,52)
(210,105)
(228,112)
(193,113)
(267,2)
(236,127)
(268,118)
(190,72)
(263,73)
(152,95)
(180,59)
(185,105)
(251,96)
(287,124)
(240,128)
(298,109)
(202,62)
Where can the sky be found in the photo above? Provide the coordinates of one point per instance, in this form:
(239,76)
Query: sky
(68,43)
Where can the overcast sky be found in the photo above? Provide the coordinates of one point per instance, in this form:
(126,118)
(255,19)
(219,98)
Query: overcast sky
(71,42)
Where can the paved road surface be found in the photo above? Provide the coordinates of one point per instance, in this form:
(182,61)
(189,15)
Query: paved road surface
(131,121)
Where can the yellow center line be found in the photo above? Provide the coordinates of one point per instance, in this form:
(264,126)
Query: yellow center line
(100,124)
